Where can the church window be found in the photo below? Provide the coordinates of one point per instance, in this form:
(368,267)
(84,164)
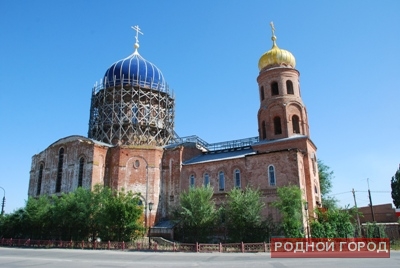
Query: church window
(96,115)
(59,170)
(135,114)
(264,131)
(80,172)
(271,175)
(147,113)
(136,164)
(237,178)
(277,125)
(221,181)
(314,164)
(289,87)
(39,184)
(206,180)
(274,89)
(262,93)
(295,124)
(192,181)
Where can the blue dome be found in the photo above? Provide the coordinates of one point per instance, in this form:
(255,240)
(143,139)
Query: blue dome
(135,70)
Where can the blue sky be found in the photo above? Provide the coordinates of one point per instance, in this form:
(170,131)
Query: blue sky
(347,52)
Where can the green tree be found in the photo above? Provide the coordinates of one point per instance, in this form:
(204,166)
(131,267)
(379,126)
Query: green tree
(290,206)
(197,213)
(36,213)
(76,216)
(333,223)
(72,214)
(120,215)
(85,212)
(243,216)
(395,184)
(325,183)
(14,225)
(374,230)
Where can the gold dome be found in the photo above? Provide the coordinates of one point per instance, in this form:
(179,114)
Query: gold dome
(276,56)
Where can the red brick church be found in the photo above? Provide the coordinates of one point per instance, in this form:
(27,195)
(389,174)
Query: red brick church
(132,144)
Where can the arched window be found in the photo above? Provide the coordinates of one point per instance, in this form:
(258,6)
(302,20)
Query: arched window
(59,170)
(295,124)
(237,178)
(39,184)
(221,182)
(277,125)
(274,89)
(289,87)
(271,175)
(264,130)
(206,180)
(262,92)
(80,172)
(191,182)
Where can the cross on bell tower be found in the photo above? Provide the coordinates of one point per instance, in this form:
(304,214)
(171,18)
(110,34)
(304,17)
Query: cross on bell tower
(282,113)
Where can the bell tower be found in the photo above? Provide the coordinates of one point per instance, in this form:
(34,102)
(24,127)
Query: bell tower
(282,113)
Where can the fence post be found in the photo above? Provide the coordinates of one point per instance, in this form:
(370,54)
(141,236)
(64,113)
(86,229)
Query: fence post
(155,246)
(265,247)
(242,247)
(108,244)
(123,245)
(83,244)
(197,247)
(220,247)
(174,246)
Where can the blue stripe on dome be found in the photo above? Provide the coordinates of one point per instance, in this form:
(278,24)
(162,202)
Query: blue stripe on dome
(135,70)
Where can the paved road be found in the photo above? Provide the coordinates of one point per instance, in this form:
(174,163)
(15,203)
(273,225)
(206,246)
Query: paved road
(74,258)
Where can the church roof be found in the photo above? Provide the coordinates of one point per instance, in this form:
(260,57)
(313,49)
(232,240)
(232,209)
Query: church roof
(276,56)
(135,70)
(220,155)
(79,138)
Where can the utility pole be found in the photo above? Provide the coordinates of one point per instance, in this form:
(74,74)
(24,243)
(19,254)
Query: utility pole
(370,202)
(358,216)
(3,203)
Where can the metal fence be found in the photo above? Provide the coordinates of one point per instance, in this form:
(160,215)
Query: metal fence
(141,245)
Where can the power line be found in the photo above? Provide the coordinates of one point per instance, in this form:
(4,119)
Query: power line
(343,193)
(373,191)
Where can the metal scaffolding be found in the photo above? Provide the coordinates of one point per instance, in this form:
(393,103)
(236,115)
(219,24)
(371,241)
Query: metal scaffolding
(213,147)
(131,113)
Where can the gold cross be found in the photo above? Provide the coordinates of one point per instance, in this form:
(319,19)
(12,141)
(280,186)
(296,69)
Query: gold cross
(272,28)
